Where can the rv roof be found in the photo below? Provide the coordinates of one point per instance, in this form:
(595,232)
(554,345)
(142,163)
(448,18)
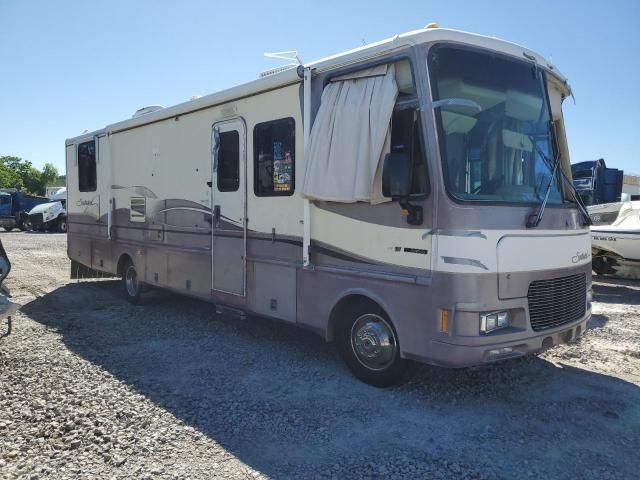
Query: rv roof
(335,61)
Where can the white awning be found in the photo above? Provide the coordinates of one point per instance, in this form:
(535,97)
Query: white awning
(351,136)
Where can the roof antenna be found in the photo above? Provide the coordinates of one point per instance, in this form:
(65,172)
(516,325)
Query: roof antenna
(288,55)
(291,55)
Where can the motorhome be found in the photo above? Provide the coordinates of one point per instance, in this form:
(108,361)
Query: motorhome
(410,199)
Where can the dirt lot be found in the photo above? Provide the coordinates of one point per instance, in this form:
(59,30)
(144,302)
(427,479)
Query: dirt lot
(92,387)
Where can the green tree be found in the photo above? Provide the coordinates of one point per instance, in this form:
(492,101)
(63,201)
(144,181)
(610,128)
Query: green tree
(49,175)
(32,179)
(9,176)
(16,172)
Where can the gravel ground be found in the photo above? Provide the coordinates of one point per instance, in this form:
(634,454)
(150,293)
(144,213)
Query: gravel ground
(92,387)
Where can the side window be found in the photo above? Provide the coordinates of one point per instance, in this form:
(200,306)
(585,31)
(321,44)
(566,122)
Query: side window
(274,158)
(228,178)
(405,127)
(87,166)
(405,138)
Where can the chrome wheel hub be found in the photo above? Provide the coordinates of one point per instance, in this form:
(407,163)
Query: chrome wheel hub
(131,281)
(373,342)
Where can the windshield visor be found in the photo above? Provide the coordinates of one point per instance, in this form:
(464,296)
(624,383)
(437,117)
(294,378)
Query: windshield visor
(495,130)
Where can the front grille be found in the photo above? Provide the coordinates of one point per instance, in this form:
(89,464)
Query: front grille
(36,219)
(557,301)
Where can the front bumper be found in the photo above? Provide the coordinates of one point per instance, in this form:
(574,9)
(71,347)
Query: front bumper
(448,354)
(7,222)
(36,219)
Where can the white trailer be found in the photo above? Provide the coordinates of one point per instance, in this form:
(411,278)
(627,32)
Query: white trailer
(409,199)
(53,191)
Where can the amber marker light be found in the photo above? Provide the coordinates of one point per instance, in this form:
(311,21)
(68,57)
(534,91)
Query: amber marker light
(444,320)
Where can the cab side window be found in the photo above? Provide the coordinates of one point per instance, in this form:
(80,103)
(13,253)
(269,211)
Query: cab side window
(406,135)
(87,181)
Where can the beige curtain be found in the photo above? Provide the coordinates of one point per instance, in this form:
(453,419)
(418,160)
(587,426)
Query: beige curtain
(351,136)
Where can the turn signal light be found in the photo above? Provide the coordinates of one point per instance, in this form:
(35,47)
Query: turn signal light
(444,320)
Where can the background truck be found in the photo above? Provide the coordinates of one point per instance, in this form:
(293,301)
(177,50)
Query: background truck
(14,208)
(51,216)
(596,183)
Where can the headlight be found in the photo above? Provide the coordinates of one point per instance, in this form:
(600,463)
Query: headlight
(493,321)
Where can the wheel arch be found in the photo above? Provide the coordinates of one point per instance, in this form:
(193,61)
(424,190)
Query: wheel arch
(352,299)
(123,259)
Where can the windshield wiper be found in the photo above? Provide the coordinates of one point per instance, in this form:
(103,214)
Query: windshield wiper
(577,200)
(535,219)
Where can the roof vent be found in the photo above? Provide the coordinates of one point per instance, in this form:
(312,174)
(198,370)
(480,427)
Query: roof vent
(431,25)
(274,71)
(146,110)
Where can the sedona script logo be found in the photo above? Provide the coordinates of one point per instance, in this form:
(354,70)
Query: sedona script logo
(579,256)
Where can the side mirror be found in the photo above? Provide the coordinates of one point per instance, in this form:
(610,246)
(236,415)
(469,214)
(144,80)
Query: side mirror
(396,184)
(5,264)
(396,175)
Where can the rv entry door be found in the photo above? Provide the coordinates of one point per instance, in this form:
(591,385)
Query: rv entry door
(229,206)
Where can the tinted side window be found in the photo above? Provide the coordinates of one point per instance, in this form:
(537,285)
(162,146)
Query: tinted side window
(405,138)
(229,162)
(87,166)
(274,158)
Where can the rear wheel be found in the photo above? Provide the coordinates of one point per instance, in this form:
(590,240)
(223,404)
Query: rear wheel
(22,221)
(8,229)
(62,224)
(369,346)
(130,282)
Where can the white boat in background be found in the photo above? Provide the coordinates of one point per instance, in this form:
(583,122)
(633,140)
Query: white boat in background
(616,247)
(607,213)
(604,213)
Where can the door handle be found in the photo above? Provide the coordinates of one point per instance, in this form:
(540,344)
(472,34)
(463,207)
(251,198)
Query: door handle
(216,213)
(209,184)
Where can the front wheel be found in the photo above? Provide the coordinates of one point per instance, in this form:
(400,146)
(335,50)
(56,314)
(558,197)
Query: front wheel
(369,346)
(131,284)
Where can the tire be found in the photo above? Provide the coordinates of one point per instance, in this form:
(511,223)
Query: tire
(25,225)
(604,265)
(368,344)
(130,283)
(8,229)
(61,224)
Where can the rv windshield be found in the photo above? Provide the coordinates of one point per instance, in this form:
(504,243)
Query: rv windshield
(495,130)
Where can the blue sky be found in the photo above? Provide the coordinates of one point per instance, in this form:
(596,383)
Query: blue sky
(70,66)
